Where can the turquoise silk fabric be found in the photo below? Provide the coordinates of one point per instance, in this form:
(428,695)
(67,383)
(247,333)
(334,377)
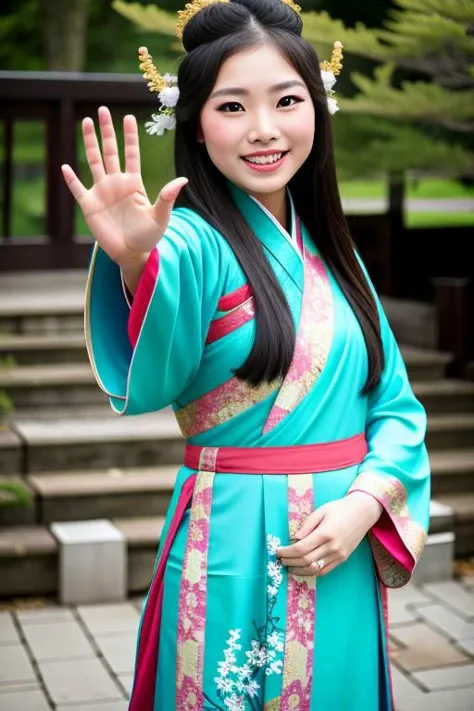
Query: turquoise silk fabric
(237,631)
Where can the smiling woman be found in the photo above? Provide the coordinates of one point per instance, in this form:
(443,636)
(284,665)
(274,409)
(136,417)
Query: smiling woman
(238,299)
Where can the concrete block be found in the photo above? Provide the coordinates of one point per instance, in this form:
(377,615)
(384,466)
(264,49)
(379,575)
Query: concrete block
(441,517)
(436,562)
(92,562)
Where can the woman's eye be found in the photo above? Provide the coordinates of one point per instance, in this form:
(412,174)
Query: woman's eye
(289,101)
(231,106)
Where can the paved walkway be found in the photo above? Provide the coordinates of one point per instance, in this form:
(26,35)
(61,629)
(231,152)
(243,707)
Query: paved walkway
(411,205)
(81,659)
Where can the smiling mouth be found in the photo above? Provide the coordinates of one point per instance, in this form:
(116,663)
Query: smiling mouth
(265,160)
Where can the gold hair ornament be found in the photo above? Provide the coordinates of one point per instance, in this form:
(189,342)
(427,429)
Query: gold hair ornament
(293,5)
(335,65)
(192,8)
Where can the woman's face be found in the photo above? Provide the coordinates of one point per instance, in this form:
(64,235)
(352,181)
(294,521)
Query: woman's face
(258,122)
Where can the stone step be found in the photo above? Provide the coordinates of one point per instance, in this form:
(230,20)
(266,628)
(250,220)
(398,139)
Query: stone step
(95,495)
(48,348)
(60,445)
(100,443)
(42,314)
(147,491)
(450,432)
(29,558)
(36,349)
(43,302)
(39,387)
(445,395)
(425,364)
(413,322)
(118,492)
(11,453)
(452,471)
(463,507)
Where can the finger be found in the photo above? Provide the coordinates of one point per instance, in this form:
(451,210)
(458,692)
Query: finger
(132,147)
(166,200)
(93,154)
(322,551)
(316,570)
(314,540)
(74,184)
(329,567)
(310,523)
(109,141)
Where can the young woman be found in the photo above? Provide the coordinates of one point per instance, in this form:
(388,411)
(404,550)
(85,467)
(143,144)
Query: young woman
(305,488)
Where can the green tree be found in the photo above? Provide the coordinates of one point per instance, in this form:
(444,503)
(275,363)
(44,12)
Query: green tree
(423,79)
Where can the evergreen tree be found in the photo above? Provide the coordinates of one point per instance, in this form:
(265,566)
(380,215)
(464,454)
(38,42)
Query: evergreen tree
(422,79)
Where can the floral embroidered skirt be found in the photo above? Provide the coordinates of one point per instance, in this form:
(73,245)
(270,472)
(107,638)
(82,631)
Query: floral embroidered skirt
(239,633)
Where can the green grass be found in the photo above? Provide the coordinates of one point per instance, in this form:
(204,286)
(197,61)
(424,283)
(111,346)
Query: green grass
(426,189)
(439,219)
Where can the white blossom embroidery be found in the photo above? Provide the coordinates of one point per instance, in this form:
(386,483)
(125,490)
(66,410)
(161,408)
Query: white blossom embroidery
(238,686)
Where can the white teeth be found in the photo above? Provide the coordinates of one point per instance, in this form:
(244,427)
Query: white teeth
(263,160)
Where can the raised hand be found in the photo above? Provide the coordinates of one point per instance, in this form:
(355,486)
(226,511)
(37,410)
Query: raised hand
(116,208)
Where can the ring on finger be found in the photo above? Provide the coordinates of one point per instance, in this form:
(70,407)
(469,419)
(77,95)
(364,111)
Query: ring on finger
(320,563)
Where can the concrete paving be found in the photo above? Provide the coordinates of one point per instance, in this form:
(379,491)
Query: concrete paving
(81,658)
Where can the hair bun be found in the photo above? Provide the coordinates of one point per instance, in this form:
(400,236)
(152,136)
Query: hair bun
(221,19)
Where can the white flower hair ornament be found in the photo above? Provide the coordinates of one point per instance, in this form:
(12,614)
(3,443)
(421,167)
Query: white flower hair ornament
(166,86)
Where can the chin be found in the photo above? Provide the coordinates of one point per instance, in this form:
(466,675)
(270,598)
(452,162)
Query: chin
(264,184)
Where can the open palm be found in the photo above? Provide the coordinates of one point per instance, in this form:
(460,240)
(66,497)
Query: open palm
(116,208)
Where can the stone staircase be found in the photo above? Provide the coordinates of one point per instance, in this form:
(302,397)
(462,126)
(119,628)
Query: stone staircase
(80,461)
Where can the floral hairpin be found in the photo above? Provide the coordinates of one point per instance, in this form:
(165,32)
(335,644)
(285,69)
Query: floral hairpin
(166,86)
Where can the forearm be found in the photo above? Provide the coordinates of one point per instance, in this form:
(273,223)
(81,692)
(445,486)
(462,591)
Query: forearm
(133,270)
(369,505)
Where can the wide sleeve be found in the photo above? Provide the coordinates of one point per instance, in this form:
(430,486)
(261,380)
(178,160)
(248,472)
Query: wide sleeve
(396,469)
(145,354)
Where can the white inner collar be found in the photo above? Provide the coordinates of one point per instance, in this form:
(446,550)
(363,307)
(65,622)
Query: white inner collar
(291,236)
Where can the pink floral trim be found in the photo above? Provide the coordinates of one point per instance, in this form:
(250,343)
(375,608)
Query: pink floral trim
(396,540)
(241,315)
(312,343)
(208,459)
(193,599)
(300,612)
(221,404)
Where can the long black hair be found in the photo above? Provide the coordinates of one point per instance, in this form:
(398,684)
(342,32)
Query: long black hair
(213,35)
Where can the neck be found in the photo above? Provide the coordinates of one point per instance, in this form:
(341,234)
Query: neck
(276,204)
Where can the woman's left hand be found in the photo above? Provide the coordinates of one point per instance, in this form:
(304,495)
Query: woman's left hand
(330,534)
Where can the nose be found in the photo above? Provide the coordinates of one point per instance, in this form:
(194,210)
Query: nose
(264,128)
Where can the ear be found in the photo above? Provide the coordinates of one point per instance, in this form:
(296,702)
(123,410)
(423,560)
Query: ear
(200,135)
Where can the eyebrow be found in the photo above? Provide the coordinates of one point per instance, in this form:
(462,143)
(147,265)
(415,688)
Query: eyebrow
(239,91)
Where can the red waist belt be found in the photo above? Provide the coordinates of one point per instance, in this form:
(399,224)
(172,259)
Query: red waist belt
(299,459)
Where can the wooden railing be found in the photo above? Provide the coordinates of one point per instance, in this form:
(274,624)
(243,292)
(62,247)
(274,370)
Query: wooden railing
(59,100)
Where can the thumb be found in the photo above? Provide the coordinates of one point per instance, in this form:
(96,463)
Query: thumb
(310,524)
(166,200)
